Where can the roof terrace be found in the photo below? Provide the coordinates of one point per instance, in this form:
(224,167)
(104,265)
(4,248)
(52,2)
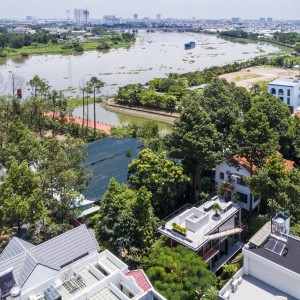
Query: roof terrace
(200,222)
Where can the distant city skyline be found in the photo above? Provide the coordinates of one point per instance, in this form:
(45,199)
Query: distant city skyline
(202,9)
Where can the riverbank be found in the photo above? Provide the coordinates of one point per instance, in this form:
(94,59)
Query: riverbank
(145,113)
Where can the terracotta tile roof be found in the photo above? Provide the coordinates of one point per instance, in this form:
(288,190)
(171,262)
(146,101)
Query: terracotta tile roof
(141,279)
(289,164)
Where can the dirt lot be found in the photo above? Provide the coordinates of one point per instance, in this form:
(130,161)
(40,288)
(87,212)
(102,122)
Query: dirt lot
(247,77)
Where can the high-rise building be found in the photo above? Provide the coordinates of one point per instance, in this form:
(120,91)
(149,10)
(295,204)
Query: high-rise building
(158,17)
(269,20)
(262,20)
(235,20)
(81,15)
(135,16)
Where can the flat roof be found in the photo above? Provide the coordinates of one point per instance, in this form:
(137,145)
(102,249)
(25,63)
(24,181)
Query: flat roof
(284,82)
(195,240)
(289,259)
(106,294)
(253,288)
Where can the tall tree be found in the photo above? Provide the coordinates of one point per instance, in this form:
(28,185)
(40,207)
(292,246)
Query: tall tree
(62,175)
(254,140)
(83,89)
(195,140)
(38,86)
(220,103)
(161,176)
(278,115)
(21,196)
(269,183)
(126,218)
(94,86)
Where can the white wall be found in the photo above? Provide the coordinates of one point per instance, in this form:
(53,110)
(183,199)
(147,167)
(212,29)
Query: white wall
(294,96)
(272,274)
(225,168)
(227,225)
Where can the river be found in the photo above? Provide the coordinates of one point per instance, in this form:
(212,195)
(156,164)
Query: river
(152,55)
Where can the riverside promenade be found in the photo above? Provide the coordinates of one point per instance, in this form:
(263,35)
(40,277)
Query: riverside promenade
(77,120)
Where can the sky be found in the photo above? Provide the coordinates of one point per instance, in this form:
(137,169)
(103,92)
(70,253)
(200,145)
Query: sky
(202,9)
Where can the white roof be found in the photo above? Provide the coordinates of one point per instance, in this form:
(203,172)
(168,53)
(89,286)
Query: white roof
(285,82)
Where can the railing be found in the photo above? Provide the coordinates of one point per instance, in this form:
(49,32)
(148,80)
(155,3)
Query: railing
(187,206)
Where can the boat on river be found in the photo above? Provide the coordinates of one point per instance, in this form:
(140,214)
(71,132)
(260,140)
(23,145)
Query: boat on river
(190,45)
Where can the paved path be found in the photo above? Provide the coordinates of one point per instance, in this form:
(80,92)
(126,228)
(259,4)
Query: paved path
(99,126)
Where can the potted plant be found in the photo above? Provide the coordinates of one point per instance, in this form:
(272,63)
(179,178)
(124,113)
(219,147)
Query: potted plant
(217,209)
(163,224)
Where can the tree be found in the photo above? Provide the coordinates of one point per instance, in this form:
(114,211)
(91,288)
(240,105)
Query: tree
(83,89)
(277,113)
(39,86)
(220,103)
(161,176)
(195,140)
(20,144)
(127,218)
(94,85)
(62,174)
(254,140)
(46,232)
(177,273)
(21,196)
(270,181)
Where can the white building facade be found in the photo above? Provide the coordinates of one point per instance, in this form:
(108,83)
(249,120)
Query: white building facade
(287,90)
(230,179)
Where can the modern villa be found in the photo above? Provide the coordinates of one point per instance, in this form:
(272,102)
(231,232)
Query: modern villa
(69,267)
(271,268)
(229,177)
(213,234)
(288,91)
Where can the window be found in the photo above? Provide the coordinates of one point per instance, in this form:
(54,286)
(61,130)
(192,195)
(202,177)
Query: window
(288,101)
(240,180)
(221,175)
(289,93)
(280,92)
(273,91)
(242,197)
(281,98)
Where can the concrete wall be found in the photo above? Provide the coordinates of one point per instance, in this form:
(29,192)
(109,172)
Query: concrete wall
(294,94)
(228,225)
(225,168)
(272,274)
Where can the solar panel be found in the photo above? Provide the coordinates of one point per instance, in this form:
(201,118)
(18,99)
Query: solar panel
(279,247)
(270,244)
(275,246)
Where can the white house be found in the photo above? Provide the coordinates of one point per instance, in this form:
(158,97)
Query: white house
(229,177)
(215,238)
(287,90)
(271,268)
(69,267)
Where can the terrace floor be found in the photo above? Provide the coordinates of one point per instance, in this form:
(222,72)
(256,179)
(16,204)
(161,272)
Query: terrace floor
(104,294)
(252,288)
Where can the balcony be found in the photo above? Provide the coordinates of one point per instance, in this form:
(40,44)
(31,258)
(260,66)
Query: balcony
(227,186)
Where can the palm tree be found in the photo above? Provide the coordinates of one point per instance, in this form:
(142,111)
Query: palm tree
(93,86)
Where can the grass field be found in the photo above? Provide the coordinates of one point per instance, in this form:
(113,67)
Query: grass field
(58,48)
